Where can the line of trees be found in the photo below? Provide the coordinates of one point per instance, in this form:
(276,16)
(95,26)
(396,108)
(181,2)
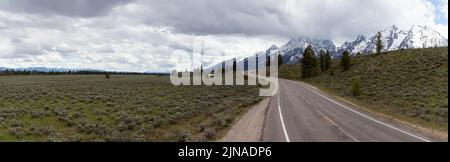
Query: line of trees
(325,60)
(36,72)
(280,59)
(313,65)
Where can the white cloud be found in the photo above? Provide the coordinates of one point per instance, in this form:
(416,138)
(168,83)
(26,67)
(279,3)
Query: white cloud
(30,48)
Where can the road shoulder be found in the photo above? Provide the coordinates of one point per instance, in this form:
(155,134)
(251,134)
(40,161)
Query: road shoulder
(250,126)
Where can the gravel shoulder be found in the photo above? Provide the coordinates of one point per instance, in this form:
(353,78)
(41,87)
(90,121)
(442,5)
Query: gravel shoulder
(249,127)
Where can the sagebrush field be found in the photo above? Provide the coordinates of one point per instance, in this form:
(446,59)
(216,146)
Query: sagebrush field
(122,108)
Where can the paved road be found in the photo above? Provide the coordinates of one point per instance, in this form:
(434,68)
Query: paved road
(308,115)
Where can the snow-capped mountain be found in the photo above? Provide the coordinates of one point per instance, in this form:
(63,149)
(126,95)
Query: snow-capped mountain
(293,50)
(394,38)
(423,37)
(359,45)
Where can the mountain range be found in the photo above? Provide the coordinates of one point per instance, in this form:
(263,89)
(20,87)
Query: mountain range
(393,38)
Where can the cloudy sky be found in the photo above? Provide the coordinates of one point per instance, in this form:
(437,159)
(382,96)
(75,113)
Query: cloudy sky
(140,35)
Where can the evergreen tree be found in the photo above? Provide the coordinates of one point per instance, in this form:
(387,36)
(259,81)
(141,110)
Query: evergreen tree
(379,43)
(280,59)
(345,60)
(310,64)
(223,69)
(234,65)
(316,65)
(322,59)
(327,60)
(201,69)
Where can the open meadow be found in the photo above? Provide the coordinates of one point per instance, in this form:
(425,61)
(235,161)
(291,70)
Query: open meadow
(122,108)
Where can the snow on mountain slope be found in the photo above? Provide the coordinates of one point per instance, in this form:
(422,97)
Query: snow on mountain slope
(293,50)
(394,38)
(423,37)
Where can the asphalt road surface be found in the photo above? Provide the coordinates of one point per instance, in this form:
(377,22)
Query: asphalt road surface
(301,114)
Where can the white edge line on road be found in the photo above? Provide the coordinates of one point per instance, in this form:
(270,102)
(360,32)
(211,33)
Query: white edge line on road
(281,118)
(390,126)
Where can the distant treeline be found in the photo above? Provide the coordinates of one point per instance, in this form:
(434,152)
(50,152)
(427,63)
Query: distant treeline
(36,72)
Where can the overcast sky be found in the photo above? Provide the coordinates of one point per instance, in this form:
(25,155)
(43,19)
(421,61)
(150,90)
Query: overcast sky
(139,35)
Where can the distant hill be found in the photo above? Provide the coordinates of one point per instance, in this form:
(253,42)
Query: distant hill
(3,68)
(409,84)
(46,69)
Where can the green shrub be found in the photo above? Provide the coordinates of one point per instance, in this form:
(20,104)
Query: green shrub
(356,87)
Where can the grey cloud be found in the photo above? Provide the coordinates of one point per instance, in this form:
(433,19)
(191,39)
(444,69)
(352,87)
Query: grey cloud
(107,50)
(29,48)
(326,19)
(16,40)
(65,49)
(220,17)
(76,8)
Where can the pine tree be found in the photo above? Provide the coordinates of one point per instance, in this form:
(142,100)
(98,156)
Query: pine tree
(379,43)
(223,70)
(234,65)
(310,64)
(316,65)
(201,69)
(345,60)
(280,59)
(327,60)
(322,59)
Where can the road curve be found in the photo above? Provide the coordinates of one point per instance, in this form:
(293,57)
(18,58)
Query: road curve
(310,116)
